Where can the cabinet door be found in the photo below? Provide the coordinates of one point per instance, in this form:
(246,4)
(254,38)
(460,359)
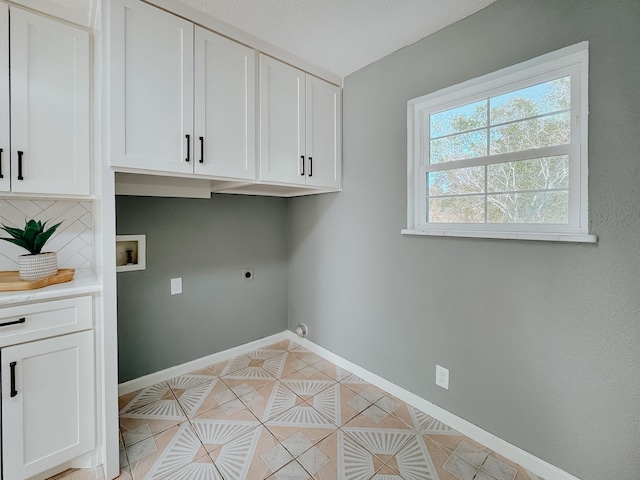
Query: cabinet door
(282,117)
(5,176)
(225,107)
(151,89)
(324,126)
(49,419)
(49,106)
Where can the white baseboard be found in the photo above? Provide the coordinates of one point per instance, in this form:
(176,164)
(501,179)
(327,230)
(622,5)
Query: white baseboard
(169,373)
(507,450)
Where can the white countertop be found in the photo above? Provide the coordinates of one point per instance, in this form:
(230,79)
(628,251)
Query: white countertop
(84,281)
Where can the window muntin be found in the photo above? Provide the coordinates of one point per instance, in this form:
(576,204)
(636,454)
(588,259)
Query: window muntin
(548,97)
(503,154)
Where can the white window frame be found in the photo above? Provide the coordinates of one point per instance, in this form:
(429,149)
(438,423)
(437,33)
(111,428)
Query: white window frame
(574,61)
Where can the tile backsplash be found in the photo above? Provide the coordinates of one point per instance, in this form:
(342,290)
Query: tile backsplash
(73,240)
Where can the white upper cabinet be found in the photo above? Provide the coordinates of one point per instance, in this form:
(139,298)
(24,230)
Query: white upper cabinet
(50,123)
(225,107)
(184,102)
(300,122)
(183,97)
(323,134)
(282,118)
(152,89)
(5,134)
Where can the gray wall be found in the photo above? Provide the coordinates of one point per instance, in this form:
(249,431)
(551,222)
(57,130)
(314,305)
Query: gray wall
(207,243)
(542,339)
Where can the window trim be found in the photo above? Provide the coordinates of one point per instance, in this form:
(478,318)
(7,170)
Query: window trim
(572,60)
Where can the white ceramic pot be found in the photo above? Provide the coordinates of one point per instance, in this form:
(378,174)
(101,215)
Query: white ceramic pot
(35,267)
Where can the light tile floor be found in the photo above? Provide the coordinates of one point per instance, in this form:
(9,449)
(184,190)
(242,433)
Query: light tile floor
(284,413)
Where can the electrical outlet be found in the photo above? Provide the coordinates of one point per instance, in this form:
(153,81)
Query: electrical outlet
(176,286)
(442,377)
(247,274)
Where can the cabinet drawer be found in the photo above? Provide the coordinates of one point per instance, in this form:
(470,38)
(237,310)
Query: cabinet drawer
(26,323)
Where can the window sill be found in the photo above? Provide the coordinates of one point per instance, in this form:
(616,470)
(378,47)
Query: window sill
(544,237)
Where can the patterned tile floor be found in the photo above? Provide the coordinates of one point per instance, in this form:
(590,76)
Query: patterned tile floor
(284,413)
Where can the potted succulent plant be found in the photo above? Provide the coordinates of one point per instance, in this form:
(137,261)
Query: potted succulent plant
(34,265)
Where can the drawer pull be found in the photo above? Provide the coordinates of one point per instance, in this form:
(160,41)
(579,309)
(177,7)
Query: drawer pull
(15,322)
(14,392)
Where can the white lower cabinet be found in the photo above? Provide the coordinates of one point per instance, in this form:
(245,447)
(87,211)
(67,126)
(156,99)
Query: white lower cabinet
(48,399)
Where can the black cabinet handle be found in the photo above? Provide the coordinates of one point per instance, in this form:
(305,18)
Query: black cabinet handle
(14,392)
(201,149)
(1,150)
(14,322)
(20,177)
(310,166)
(188,159)
(302,162)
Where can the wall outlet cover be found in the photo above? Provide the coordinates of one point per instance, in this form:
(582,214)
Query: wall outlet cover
(442,377)
(176,286)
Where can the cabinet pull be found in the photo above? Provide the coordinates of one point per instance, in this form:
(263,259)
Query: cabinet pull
(1,175)
(310,166)
(302,168)
(14,392)
(20,177)
(201,149)
(14,322)
(188,159)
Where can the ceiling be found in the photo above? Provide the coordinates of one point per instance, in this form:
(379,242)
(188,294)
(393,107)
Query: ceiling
(340,36)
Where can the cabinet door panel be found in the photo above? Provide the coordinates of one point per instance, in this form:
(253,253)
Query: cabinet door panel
(225,107)
(323,126)
(282,117)
(50,419)
(49,105)
(152,89)
(5,175)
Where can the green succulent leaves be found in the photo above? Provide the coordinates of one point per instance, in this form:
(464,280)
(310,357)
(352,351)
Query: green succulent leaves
(32,238)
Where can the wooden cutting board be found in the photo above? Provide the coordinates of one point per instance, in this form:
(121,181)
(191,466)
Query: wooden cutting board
(10,281)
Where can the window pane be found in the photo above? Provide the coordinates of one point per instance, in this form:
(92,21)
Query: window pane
(457,120)
(456,181)
(536,174)
(544,207)
(469,209)
(528,102)
(457,147)
(534,133)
